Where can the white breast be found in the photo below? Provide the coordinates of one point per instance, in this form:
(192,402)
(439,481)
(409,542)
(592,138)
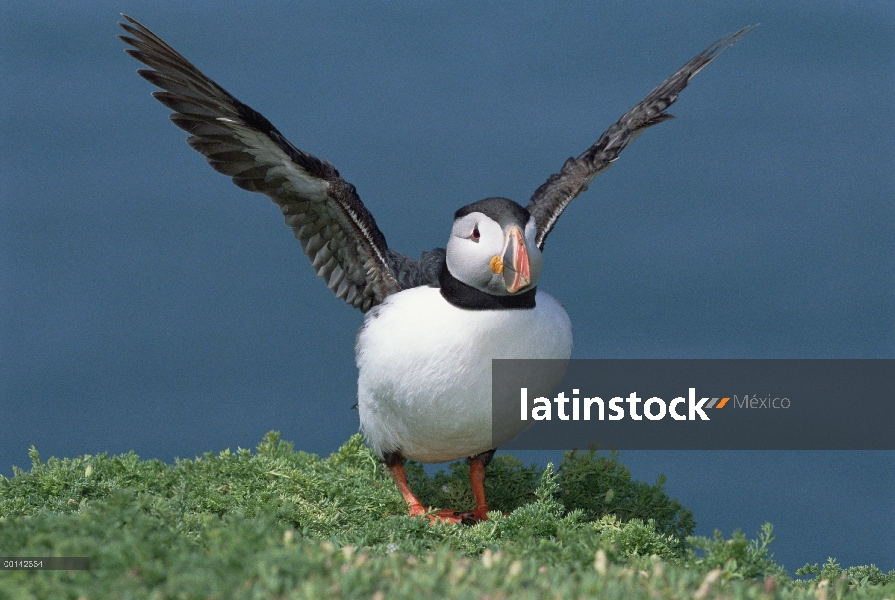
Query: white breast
(425,370)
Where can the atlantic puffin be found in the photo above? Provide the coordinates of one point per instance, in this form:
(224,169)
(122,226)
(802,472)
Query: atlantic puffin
(432,325)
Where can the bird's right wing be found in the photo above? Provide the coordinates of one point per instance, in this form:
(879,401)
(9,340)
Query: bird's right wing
(551,199)
(335,229)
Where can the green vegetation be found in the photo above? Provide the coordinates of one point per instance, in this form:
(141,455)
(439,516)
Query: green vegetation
(284,524)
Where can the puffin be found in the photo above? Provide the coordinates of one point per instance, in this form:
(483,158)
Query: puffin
(432,325)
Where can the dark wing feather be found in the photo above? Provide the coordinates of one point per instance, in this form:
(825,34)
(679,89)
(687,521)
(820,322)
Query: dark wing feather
(549,200)
(335,229)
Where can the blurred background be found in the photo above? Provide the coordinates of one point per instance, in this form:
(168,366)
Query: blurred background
(148,304)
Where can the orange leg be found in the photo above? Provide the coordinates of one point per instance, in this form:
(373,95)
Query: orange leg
(477,479)
(399,475)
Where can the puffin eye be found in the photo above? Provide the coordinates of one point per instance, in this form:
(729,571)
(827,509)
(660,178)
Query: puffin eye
(475,235)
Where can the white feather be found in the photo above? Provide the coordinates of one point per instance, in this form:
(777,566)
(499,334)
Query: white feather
(425,370)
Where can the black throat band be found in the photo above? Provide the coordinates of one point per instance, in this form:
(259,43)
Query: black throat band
(465,296)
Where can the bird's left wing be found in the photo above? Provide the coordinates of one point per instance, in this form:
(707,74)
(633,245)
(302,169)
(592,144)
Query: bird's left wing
(335,229)
(549,200)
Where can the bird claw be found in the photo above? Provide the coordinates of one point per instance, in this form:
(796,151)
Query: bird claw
(456,516)
(451,516)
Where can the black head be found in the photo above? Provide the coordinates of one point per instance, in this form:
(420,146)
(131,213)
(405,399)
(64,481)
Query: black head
(492,252)
(502,210)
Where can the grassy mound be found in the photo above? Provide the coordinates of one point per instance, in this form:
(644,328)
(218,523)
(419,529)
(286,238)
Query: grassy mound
(281,523)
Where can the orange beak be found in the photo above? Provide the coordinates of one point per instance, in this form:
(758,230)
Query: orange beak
(514,258)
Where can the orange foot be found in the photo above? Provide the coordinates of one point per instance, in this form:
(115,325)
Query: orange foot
(450,516)
(416,508)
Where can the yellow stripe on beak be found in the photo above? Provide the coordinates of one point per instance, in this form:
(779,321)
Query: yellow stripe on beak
(516,268)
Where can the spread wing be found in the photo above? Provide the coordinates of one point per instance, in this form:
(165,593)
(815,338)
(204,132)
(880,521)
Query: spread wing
(549,200)
(335,229)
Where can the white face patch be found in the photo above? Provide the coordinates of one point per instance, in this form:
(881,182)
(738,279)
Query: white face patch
(469,259)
